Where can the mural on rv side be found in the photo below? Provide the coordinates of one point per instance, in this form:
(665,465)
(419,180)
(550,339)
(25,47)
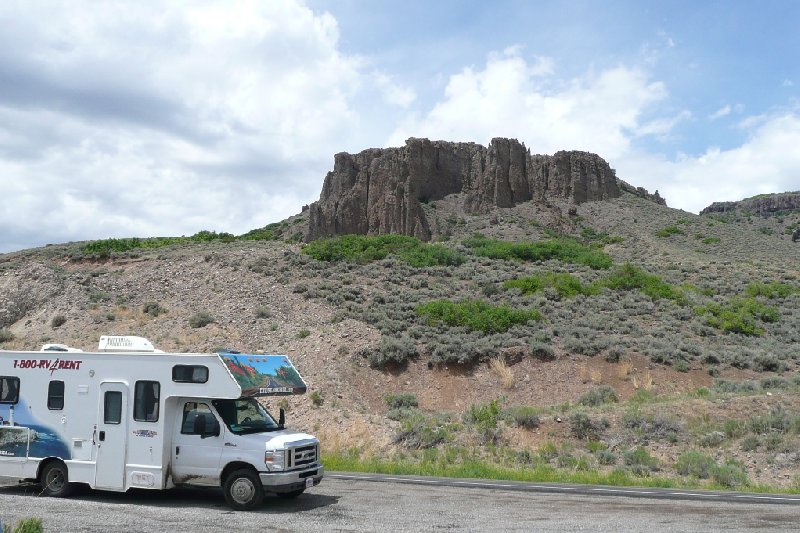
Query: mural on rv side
(17,441)
(262,375)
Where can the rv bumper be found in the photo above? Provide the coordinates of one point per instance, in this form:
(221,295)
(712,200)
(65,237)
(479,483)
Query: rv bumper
(291,481)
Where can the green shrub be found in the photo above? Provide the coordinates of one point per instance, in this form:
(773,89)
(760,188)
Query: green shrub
(522,416)
(737,387)
(475,315)
(485,414)
(303,333)
(201,319)
(542,351)
(739,315)
(104,248)
(771,290)
(566,285)
(547,452)
(401,413)
(640,461)
(26,525)
(583,427)
(428,255)
(58,321)
(776,420)
(401,401)
(153,309)
(695,464)
(711,240)
(263,312)
(670,231)
(774,383)
(628,277)
(658,426)
(562,249)
(733,429)
(711,440)
(606,457)
(392,352)
(316,398)
(750,443)
(364,249)
(6,335)
(731,474)
(598,396)
(421,431)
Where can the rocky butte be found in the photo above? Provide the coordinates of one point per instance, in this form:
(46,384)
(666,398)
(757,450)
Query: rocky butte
(379,191)
(764,204)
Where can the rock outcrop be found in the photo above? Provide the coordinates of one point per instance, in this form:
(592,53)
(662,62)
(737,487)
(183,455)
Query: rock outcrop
(764,205)
(380,191)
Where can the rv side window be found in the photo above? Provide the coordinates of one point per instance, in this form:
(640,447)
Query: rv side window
(197,418)
(55,395)
(9,389)
(189,374)
(112,407)
(145,401)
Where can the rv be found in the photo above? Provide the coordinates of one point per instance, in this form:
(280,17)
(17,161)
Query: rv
(130,416)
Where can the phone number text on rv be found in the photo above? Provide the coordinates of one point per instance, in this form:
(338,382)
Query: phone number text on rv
(49,364)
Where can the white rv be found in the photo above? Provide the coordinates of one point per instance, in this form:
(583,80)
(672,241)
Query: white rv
(131,416)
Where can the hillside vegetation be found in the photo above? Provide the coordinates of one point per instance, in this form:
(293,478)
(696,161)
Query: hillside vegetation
(626,343)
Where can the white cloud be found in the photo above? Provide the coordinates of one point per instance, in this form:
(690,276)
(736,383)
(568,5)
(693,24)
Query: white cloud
(393,92)
(766,162)
(661,127)
(509,97)
(152,119)
(603,112)
(723,111)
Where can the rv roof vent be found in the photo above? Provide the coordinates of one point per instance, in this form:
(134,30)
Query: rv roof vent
(59,348)
(126,343)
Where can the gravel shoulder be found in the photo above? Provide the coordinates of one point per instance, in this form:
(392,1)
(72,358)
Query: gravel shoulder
(348,505)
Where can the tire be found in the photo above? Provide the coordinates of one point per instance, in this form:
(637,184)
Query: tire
(292,494)
(55,480)
(243,490)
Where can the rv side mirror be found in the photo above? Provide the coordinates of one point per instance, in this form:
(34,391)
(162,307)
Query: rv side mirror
(282,418)
(213,432)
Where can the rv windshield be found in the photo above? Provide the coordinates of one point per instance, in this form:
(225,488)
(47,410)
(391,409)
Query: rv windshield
(245,415)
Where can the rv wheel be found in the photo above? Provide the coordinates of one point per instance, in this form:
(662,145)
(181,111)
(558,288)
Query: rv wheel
(243,490)
(55,480)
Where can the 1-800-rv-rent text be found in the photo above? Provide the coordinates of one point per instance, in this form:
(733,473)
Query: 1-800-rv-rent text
(131,416)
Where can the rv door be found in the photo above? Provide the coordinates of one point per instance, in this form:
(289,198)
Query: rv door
(111,436)
(197,445)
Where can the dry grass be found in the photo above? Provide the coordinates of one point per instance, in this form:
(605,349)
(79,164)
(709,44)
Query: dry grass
(624,369)
(360,435)
(645,383)
(504,374)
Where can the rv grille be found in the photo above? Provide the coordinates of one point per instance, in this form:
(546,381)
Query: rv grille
(303,456)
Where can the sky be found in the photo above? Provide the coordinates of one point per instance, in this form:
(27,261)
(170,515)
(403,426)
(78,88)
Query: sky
(137,119)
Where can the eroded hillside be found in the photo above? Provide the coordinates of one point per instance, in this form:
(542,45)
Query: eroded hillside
(559,335)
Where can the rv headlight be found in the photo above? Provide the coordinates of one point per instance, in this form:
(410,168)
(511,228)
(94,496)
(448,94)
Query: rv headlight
(274,459)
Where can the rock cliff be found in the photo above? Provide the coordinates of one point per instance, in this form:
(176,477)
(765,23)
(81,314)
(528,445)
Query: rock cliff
(764,205)
(380,191)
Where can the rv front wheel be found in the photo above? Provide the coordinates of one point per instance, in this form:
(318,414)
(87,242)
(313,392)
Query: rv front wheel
(55,480)
(243,490)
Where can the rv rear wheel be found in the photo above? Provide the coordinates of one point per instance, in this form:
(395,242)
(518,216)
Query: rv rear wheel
(243,490)
(55,480)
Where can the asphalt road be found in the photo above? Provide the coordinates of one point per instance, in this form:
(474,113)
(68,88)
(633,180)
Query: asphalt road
(409,505)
